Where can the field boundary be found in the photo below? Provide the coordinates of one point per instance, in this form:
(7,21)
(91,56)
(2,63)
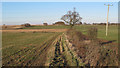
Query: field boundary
(35,30)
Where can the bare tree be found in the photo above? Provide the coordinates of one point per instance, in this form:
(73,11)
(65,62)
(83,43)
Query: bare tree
(72,17)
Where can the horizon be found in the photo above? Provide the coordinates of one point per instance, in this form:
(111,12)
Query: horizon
(17,13)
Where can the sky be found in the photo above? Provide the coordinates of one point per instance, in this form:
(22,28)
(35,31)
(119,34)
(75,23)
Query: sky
(17,13)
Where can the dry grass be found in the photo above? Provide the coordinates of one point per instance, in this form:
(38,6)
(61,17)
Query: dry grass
(93,52)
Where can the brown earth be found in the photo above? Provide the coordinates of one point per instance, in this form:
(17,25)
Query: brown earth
(94,52)
(35,30)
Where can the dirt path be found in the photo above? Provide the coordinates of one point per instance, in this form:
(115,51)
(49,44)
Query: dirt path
(59,59)
(64,55)
(35,30)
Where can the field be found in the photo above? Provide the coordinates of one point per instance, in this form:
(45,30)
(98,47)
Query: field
(112,31)
(49,45)
(21,47)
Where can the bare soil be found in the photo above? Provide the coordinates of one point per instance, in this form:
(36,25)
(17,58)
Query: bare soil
(35,30)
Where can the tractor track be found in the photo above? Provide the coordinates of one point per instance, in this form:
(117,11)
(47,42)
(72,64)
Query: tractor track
(26,50)
(59,59)
(62,54)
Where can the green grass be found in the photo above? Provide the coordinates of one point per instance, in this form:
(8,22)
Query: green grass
(48,27)
(112,31)
(13,42)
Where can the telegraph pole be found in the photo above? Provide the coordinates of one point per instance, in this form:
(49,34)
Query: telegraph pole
(107,18)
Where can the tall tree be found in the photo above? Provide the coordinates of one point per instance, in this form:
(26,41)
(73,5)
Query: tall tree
(72,18)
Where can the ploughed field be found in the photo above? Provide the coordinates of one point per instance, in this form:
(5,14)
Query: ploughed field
(37,49)
(70,47)
(21,48)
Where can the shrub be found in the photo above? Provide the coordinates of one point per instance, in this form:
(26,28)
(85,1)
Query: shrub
(26,25)
(92,33)
(4,26)
(76,36)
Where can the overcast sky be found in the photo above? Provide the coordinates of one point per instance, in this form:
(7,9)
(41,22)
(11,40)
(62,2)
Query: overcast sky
(16,13)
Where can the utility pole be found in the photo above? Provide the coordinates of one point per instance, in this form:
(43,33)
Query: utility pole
(107,18)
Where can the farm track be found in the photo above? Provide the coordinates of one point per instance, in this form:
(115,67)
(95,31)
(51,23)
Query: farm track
(34,51)
(64,55)
(42,51)
(59,59)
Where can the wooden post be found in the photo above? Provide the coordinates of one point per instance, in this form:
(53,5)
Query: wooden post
(107,19)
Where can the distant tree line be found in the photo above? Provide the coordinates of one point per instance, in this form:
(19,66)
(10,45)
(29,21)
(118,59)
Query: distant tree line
(105,23)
